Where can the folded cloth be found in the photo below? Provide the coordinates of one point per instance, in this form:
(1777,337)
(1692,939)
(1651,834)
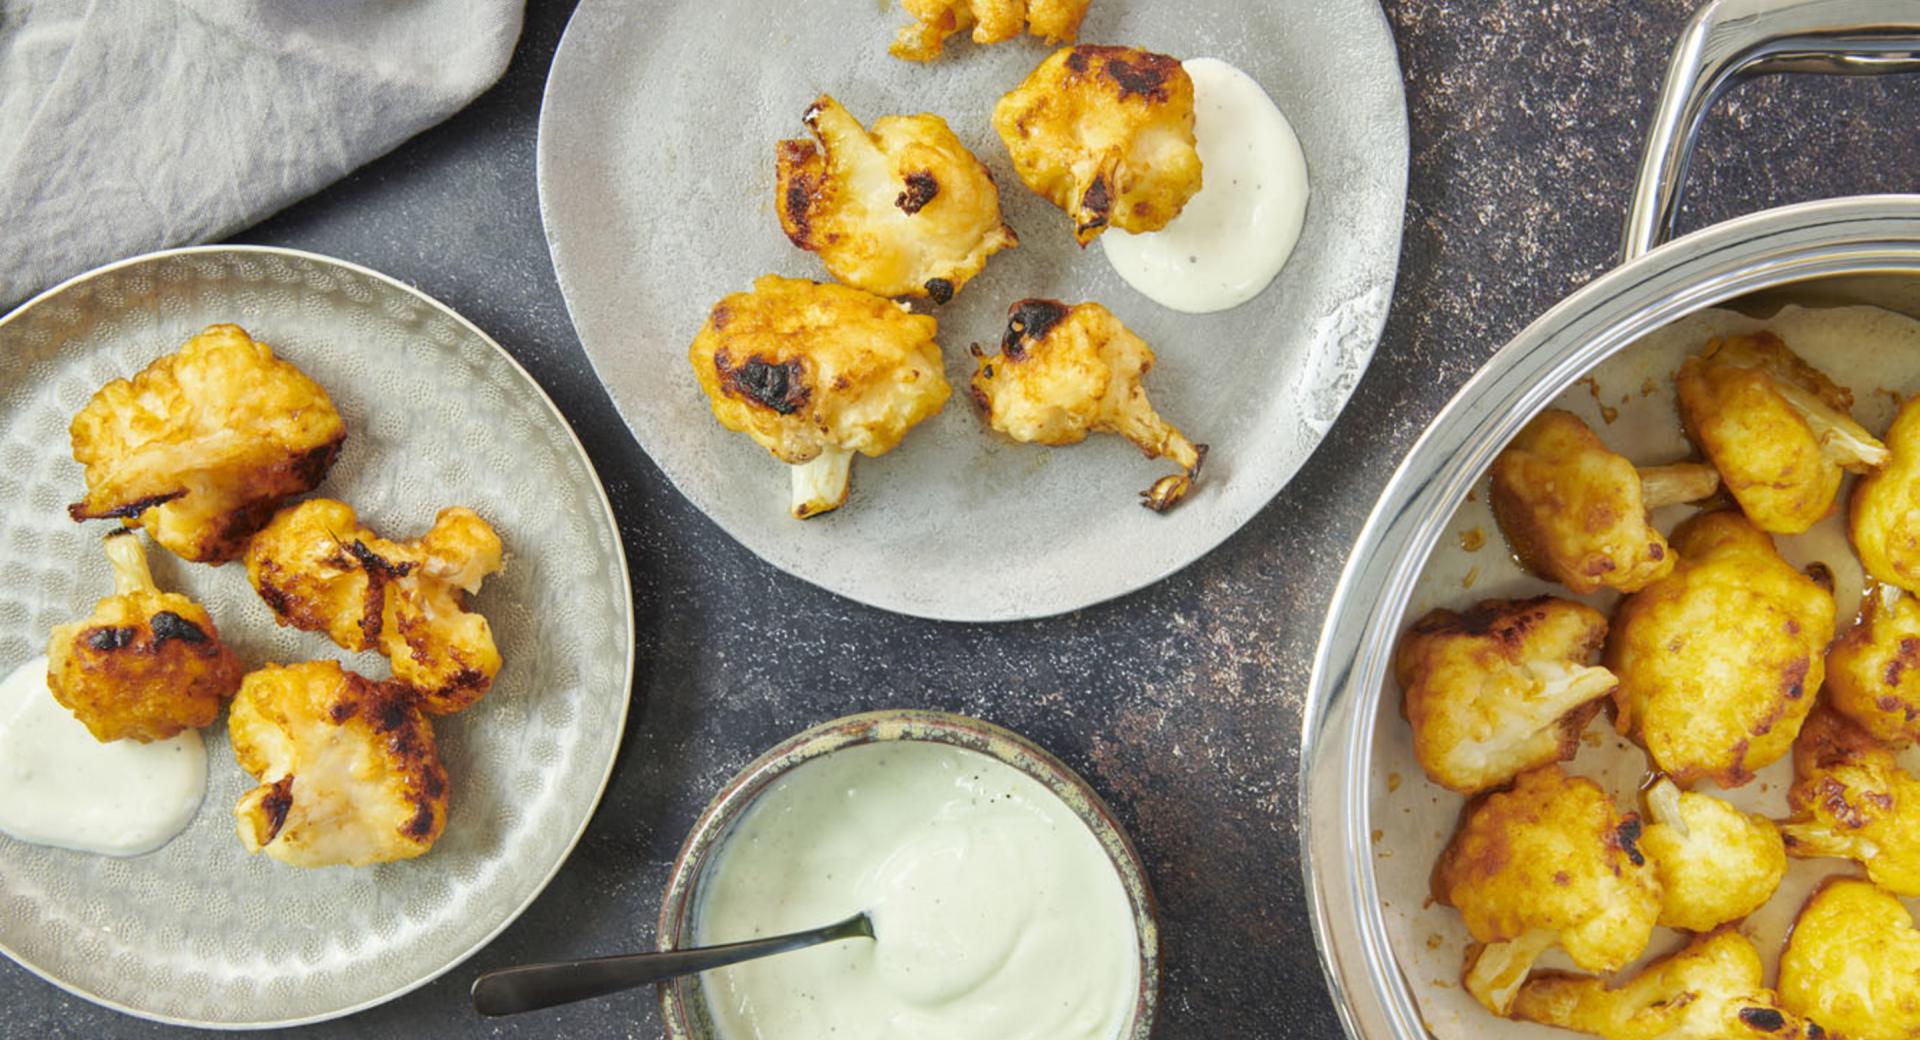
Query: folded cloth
(131,125)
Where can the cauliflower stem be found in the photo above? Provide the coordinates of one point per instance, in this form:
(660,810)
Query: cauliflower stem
(821,485)
(1677,483)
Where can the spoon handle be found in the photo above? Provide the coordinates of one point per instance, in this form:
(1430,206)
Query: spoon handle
(530,987)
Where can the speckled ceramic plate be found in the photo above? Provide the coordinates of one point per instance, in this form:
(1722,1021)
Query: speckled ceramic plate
(657,184)
(199,932)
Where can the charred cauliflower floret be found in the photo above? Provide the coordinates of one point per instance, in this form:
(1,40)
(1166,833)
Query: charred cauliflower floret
(1851,800)
(1885,515)
(202,445)
(1852,963)
(992,21)
(1106,134)
(1501,689)
(1714,989)
(1576,513)
(146,664)
(1063,373)
(814,373)
(1873,671)
(904,210)
(347,768)
(1776,428)
(1716,863)
(1548,862)
(321,571)
(1718,662)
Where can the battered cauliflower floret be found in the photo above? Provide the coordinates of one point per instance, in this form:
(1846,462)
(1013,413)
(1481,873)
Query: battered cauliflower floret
(1852,963)
(147,664)
(1106,134)
(1719,661)
(202,445)
(814,373)
(349,774)
(1063,373)
(1873,671)
(903,211)
(1851,800)
(992,21)
(321,571)
(1501,689)
(1885,515)
(1548,862)
(1576,513)
(1777,429)
(1714,989)
(1716,863)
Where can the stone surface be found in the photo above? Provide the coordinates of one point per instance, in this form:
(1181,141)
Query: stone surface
(1181,703)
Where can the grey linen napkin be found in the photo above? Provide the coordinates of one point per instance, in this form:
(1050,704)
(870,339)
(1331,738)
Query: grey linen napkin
(131,125)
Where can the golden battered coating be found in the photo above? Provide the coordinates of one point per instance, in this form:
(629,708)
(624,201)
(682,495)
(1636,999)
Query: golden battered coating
(904,210)
(1714,989)
(992,21)
(814,373)
(147,664)
(1063,373)
(1576,513)
(1548,862)
(349,774)
(1500,690)
(1852,963)
(1719,661)
(1851,800)
(1776,428)
(1106,134)
(1716,863)
(1885,515)
(1873,671)
(204,444)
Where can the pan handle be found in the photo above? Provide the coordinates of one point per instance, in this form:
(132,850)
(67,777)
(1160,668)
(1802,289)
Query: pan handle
(1729,40)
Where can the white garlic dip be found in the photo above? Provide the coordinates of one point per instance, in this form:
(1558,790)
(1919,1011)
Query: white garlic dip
(59,786)
(1232,238)
(996,912)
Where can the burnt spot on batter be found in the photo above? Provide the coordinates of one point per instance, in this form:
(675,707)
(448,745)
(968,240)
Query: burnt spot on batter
(1907,656)
(721,316)
(800,171)
(275,803)
(922,186)
(1077,58)
(79,510)
(1767,1020)
(1794,681)
(1626,838)
(1030,321)
(1096,204)
(1821,574)
(780,386)
(168,625)
(1832,796)
(420,824)
(1141,73)
(373,563)
(940,290)
(108,638)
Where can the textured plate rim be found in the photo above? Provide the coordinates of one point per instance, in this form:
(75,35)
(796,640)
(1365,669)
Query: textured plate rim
(1202,547)
(626,588)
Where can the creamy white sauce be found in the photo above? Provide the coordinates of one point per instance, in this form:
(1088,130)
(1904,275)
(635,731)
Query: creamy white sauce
(1233,237)
(996,912)
(59,786)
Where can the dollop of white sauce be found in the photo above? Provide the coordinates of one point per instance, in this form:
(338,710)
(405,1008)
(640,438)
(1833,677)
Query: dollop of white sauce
(59,786)
(996,912)
(1232,238)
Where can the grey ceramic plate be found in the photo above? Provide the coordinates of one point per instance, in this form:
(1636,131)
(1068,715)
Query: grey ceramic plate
(656,185)
(437,414)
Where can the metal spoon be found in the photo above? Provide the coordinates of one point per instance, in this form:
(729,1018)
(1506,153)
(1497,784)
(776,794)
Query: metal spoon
(530,987)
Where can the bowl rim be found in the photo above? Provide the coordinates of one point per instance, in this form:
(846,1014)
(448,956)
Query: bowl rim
(1862,235)
(679,997)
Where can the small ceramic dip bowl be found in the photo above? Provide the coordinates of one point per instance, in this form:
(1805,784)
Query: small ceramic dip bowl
(683,1002)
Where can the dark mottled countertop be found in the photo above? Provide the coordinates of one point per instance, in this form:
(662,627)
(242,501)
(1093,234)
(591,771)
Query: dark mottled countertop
(1182,703)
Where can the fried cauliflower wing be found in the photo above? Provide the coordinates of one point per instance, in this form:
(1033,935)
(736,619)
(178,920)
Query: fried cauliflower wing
(1873,671)
(147,664)
(1850,799)
(1063,373)
(321,571)
(1852,963)
(202,445)
(992,21)
(1106,134)
(1884,517)
(814,373)
(348,771)
(1719,661)
(904,210)
(1548,862)
(1576,513)
(1501,689)
(1714,989)
(1777,429)
(1716,863)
